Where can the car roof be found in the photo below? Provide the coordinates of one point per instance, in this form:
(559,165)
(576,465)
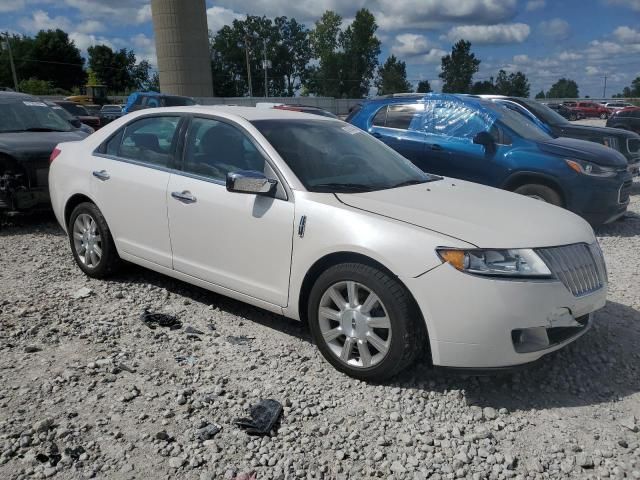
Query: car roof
(475,100)
(10,96)
(247,113)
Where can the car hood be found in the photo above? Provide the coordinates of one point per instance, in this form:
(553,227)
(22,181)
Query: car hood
(583,150)
(601,131)
(36,142)
(483,216)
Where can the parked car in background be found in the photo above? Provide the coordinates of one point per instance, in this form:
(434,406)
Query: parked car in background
(478,140)
(472,276)
(29,131)
(81,113)
(81,99)
(143,100)
(567,112)
(109,113)
(625,142)
(615,106)
(590,109)
(73,121)
(627,119)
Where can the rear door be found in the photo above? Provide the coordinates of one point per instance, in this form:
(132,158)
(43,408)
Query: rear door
(396,125)
(130,176)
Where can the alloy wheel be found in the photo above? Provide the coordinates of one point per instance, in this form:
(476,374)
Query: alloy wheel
(354,324)
(87,240)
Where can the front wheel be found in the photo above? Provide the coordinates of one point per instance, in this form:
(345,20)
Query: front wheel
(540,192)
(573,117)
(364,321)
(603,116)
(91,242)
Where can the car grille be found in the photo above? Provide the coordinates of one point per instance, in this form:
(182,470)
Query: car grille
(579,267)
(625,192)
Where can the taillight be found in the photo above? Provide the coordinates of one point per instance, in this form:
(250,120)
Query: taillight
(54,154)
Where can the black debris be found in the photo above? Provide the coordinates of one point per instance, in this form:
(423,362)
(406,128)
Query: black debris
(153,320)
(264,416)
(74,453)
(207,432)
(32,349)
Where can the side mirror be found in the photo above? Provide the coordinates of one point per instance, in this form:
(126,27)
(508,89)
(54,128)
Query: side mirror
(250,181)
(486,140)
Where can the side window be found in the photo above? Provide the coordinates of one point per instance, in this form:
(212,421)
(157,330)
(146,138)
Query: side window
(113,145)
(401,116)
(455,120)
(150,140)
(380,119)
(216,148)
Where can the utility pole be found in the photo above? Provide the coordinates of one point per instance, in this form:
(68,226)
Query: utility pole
(604,90)
(13,67)
(246,51)
(265,66)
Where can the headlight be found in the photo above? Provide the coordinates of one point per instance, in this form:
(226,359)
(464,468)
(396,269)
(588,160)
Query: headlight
(519,263)
(591,169)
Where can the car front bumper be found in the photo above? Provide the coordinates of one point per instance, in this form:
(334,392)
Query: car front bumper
(479,322)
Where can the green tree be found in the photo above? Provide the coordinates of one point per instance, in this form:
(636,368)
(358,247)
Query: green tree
(324,80)
(392,77)
(564,88)
(484,87)
(361,49)
(424,87)
(33,86)
(513,85)
(118,70)
(58,59)
(21,47)
(290,53)
(154,82)
(458,68)
(540,95)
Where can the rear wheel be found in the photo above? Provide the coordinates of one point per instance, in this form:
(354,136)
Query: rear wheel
(540,192)
(573,117)
(364,321)
(603,116)
(91,242)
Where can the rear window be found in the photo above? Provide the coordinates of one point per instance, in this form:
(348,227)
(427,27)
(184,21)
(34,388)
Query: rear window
(177,101)
(633,144)
(75,109)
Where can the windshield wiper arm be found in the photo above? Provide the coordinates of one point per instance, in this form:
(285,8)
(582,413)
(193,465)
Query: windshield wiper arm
(432,178)
(346,187)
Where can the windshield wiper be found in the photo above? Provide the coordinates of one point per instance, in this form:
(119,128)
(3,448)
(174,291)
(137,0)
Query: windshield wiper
(432,178)
(41,129)
(343,187)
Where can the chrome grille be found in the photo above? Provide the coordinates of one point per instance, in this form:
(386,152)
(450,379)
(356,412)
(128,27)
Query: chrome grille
(580,267)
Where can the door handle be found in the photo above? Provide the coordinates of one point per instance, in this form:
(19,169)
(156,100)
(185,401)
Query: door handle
(435,146)
(184,197)
(101,174)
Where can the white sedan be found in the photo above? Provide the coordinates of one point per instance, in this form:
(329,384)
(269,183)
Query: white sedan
(311,218)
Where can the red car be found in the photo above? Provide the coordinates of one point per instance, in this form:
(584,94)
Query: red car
(81,113)
(590,109)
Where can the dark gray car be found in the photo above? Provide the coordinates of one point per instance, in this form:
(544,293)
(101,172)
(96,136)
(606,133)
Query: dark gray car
(29,132)
(626,142)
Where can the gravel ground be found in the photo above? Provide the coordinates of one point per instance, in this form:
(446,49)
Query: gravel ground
(88,390)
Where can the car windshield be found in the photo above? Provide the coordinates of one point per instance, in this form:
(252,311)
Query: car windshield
(75,109)
(62,112)
(329,156)
(545,113)
(522,126)
(178,101)
(30,116)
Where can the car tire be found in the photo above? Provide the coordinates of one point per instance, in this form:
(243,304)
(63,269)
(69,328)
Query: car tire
(603,116)
(540,192)
(573,117)
(91,242)
(381,338)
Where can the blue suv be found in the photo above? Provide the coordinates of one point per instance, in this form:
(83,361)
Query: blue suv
(484,142)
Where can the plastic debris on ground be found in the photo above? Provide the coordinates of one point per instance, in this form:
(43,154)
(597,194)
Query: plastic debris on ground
(264,416)
(239,340)
(154,320)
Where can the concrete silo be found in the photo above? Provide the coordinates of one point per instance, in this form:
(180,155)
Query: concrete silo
(182,46)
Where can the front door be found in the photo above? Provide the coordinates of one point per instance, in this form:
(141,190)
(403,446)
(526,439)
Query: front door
(394,125)
(130,177)
(238,241)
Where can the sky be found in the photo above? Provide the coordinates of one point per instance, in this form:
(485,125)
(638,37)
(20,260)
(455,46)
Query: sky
(585,40)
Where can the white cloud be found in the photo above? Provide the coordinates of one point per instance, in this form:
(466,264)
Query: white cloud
(143,14)
(83,41)
(535,5)
(491,34)
(627,34)
(432,56)
(591,70)
(218,17)
(634,4)
(40,20)
(410,44)
(569,56)
(91,26)
(555,29)
(145,48)
(521,58)
(120,11)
